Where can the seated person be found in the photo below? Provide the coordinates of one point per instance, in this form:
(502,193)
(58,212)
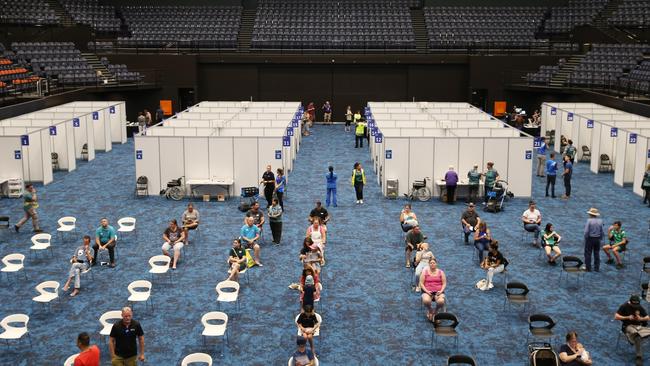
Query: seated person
(433,283)
(617,243)
(413,239)
(302,356)
(174,238)
(573,353)
(320,212)
(308,324)
(308,291)
(257,215)
(81,261)
(249,235)
(482,240)
(532,218)
(236,260)
(190,220)
(314,258)
(317,233)
(551,243)
(493,263)
(306,248)
(469,221)
(407,218)
(421,262)
(105,239)
(635,324)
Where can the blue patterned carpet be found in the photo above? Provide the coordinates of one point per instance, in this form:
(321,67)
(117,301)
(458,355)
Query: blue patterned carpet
(370,315)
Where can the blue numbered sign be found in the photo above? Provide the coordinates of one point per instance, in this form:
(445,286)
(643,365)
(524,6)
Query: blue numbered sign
(590,123)
(633,138)
(378,138)
(289,131)
(278,154)
(95,116)
(389,154)
(138,154)
(286,141)
(52,130)
(24,140)
(553,111)
(613,132)
(569,116)
(75,122)
(529,154)
(17,154)
(111,109)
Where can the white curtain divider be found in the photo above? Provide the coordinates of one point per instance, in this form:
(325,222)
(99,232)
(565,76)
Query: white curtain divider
(642,159)
(11,158)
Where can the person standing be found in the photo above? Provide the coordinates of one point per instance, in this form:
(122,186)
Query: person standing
(105,239)
(359,132)
(88,355)
(280,183)
(541,156)
(551,174)
(358,181)
(491,177)
(566,175)
(311,110)
(348,118)
(451,181)
(593,234)
(147,118)
(268,179)
(327,113)
(30,204)
(275,220)
(306,126)
(160,115)
(122,341)
(80,261)
(474,180)
(330,180)
(570,151)
(142,122)
(646,185)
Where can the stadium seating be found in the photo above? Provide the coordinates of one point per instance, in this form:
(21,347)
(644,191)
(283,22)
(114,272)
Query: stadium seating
(638,80)
(605,63)
(578,12)
(330,24)
(102,18)
(27,12)
(122,74)
(484,27)
(181,26)
(631,13)
(59,60)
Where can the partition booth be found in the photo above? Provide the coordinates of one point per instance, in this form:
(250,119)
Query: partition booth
(611,140)
(412,141)
(26,155)
(222,144)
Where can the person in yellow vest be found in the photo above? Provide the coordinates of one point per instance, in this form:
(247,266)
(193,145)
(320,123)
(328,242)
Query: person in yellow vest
(30,204)
(358,181)
(359,130)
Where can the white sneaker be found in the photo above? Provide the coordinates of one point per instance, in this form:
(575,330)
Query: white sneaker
(490,286)
(357,202)
(483,288)
(361,202)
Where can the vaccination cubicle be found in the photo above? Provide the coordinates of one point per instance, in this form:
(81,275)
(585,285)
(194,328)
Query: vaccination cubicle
(32,147)
(201,145)
(411,141)
(616,140)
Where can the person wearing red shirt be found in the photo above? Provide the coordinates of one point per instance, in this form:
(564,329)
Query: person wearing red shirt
(88,355)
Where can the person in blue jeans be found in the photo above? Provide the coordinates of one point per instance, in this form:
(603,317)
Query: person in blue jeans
(482,240)
(330,179)
(551,174)
(280,183)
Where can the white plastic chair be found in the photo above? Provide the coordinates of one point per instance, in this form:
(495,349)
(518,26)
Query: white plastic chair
(140,296)
(104,321)
(70,360)
(292,363)
(13,332)
(126,225)
(215,330)
(13,263)
(320,322)
(67,224)
(197,357)
(227,296)
(45,296)
(41,242)
(157,268)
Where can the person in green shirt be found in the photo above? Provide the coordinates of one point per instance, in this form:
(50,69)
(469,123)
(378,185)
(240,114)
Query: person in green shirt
(474,177)
(570,151)
(550,241)
(30,204)
(491,176)
(358,181)
(617,243)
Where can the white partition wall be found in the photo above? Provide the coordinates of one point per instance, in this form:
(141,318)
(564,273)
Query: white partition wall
(641,160)
(36,150)
(10,158)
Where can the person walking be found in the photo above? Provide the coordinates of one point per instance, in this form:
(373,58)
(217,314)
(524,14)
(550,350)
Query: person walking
(327,113)
(551,174)
(122,341)
(359,133)
(566,175)
(358,181)
(451,181)
(275,220)
(541,156)
(646,185)
(593,234)
(330,180)
(348,119)
(268,179)
(280,183)
(30,204)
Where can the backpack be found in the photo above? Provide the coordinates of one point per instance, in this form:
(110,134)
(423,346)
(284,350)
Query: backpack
(542,354)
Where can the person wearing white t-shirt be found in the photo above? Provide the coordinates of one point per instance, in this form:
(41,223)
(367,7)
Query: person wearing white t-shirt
(532,220)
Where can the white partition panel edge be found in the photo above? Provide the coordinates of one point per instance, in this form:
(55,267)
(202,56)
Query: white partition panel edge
(619,157)
(445,154)
(46,156)
(520,183)
(90,135)
(595,147)
(396,166)
(642,158)
(421,152)
(11,158)
(630,159)
(147,161)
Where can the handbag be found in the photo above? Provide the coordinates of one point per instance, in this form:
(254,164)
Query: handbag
(250,262)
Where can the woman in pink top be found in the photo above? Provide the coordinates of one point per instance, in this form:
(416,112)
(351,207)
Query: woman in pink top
(433,283)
